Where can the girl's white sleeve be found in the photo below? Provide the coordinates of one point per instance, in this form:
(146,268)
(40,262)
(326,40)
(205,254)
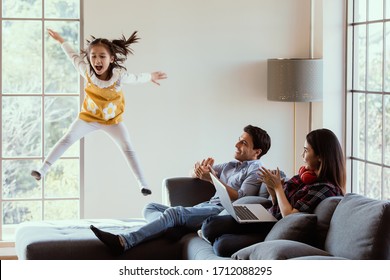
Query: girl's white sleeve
(129,78)
(77,60)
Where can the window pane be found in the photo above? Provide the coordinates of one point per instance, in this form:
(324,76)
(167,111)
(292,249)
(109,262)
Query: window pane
(360,10)
(387,9)
(15,212)
(375,9)
(361,175)
(374,127)
(22,57)
(386,131)
(62,8)
(17,181)
(387,61)
(360,58)
(359,125)
(60,75)
(375,57)
(22,8)
(62,180)
(61,209)
(374,181)
(21,123)
(60,112)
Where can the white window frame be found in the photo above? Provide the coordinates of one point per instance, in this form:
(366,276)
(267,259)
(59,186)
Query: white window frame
(351,103)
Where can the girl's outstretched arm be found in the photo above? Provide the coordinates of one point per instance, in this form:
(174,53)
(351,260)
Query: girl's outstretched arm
(77,60)
(56,36)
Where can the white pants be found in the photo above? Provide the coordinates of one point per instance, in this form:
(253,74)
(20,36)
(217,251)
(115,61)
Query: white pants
(118,132)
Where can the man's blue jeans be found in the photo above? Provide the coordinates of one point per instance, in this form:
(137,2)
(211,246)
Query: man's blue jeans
(161,217)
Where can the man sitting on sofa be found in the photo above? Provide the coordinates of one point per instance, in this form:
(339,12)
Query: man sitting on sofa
(240,177)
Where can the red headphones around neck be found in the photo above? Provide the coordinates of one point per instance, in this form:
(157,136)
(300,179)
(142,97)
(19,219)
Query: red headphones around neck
(307,176)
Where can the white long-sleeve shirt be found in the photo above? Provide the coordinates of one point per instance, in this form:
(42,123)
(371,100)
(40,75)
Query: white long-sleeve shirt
(104,101)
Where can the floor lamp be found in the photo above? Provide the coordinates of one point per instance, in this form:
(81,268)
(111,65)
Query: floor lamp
(295,80)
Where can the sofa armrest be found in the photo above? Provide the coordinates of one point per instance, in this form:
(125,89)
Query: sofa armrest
(278,250)
(187,191)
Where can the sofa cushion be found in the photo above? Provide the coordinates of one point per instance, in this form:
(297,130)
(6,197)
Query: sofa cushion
(277,250)
(227,244)
(73,240)
(298,226)
(324,212)
(195,248)
(360,229)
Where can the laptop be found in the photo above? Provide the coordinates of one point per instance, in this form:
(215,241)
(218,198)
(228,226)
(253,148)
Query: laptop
(242,213)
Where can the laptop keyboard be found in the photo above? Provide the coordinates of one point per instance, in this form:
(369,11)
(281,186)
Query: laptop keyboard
(244,213)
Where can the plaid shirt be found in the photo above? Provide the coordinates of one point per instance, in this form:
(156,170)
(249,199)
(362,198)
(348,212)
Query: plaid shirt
(305,198)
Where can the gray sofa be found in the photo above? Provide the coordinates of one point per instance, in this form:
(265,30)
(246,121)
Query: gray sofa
(350,227)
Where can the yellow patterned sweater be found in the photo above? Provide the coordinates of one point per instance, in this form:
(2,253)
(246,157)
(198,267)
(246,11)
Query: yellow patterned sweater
(103,101)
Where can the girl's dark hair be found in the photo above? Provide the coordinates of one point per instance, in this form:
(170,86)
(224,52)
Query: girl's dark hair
(119,49)
(260,138)
(332,166)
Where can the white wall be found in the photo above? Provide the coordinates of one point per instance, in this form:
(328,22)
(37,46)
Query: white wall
(334,70)
(215,54)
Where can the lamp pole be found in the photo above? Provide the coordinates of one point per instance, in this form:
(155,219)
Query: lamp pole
(311,51)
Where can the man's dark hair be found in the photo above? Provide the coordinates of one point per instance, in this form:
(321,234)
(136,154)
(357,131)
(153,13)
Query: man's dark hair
(260,138)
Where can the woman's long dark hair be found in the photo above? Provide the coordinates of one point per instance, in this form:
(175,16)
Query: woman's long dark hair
(332,166)
(119,49)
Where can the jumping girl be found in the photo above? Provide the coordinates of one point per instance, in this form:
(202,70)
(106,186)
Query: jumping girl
(104,102)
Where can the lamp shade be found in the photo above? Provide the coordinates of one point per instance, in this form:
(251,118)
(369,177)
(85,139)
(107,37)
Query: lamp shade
(294,80)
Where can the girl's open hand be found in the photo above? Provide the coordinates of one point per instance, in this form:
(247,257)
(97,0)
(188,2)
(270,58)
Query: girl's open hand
(56,36)
(156,76)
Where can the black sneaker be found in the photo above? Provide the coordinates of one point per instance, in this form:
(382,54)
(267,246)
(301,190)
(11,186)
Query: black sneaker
(36,175)
(146,191)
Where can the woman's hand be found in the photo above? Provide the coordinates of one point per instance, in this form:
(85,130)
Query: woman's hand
(56,36)
(275,188)
(156,76)
(271,178)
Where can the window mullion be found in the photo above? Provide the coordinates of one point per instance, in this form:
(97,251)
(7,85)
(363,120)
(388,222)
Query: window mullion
(383,100)
(1,128)
(43,106)
(365,101)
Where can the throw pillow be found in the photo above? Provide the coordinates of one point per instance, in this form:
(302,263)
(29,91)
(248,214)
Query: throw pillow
(324,212)
(360,229)
(278,250)
(298,227)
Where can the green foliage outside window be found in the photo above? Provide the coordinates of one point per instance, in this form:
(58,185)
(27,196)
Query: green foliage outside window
(40,97)
(371,98)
